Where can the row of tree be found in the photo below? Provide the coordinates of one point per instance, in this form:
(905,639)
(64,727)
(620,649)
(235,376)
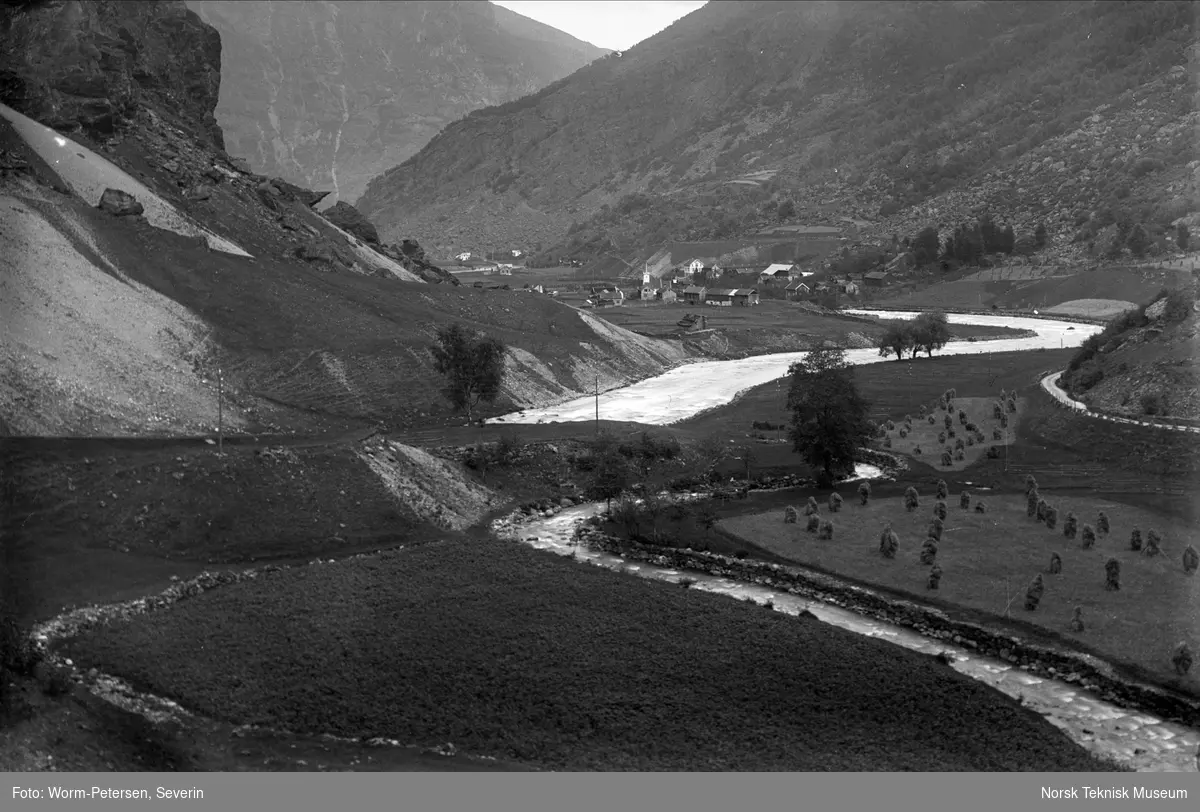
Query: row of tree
(926,333)
(971,242)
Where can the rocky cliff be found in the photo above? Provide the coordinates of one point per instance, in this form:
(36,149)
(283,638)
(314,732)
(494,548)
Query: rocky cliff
(89,66)
(895,114)
(330,94)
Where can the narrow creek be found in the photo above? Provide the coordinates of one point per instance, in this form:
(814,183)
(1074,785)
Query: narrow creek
(1135,739)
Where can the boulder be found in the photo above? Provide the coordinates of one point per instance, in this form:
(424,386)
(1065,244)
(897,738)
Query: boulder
(241,165)
(198,192)
(292,192)
(348,218)
(120,204)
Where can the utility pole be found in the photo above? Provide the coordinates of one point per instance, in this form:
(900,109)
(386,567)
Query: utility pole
(220,413)
(597,405)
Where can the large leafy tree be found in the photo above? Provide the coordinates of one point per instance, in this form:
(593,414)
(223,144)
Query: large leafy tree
(930,331)
(897,339)
(829,415)
(925,246)
(473,365)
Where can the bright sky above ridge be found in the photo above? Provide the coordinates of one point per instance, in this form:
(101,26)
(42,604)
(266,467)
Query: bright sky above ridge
(615,24)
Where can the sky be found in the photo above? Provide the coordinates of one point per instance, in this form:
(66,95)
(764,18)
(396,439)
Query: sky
(614,24)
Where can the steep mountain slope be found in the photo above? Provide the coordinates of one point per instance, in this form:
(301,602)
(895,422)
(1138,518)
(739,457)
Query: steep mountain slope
(897,113)
(329,94)
(226,287)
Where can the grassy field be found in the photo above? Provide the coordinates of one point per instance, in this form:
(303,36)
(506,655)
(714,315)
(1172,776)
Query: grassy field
(925,435)
(508,651)
(989,559)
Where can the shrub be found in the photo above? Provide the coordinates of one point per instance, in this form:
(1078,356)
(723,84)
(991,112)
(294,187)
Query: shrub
(1033,595)
(960,455)
(1030,484)
(1182,659)
(959,445)
(1112,575)
(810,507)
(890,426)
(948,423)
(54,680)
(1040,513)
(790,514)
(1055,564)
(1070,525)
(1102,523)
(997,410)
(971,427)
(917,450)
(1051,517)
(825,531)
(997,434)
(981,506)
(1135,540)
(952,393)
(911,500)
(939,509)
(1004,422)
(935,577)
(1031,503)
(1012,404)
(835,502)
(1077,619)
(1191,560)
(941,438)
(947,460)
(887,442)
(889,542)
(814,522)
(971,440)
(929,551)
(864,492)
(943,489)
(1153,543)
(962,417)
(903,434)
(993,453)
(979,438)
(964,500)
(1088,537)
(932,420)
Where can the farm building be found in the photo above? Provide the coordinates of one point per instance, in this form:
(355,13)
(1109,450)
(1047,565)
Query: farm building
(695,294)
(797,290)
(778,271)
(744,297)
(720,298)
(875,278)
(666,295)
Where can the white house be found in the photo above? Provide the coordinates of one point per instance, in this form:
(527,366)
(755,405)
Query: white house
(695,267)
(464,256)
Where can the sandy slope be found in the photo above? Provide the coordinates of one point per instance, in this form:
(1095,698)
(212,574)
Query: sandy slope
(88,175)
(85,349)
(1094,308)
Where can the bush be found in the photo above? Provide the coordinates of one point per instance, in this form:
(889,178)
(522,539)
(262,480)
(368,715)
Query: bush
(943,490)
(54,680)
(1033,595)
(941,438)
(993,453)
(835,502)
(997,410)
(891,426)
(947,460)
(1135,540)
(981,506)
(932,420)
(1030,484)
(964,500)
(903,434)
(948,423)
(1051,517)
(929,551)
(1088,537)
(939,509)
(1112,575)
(962,417)
(814,522)
(1004,422)
(790,514)
(1102,523)
(825,531)
(1012,404)
(911,500)
(960,455)
(935,529)
(810,507)
(1077,620)
(889,542)
(864,492)
(1153,544)
(935,577)
(1055,564)
(1040,513)
(1152,404)
(1182,659)
(959,445)
(1191,560)
(1031,503)
(1070,525)
(887,442)
(917,450)
(997,434)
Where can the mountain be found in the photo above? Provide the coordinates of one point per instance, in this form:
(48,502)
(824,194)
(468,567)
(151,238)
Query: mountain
(896,115)
(148,277)
(329,94)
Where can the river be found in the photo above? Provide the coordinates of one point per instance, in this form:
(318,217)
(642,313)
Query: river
(1136,739)
(689,389)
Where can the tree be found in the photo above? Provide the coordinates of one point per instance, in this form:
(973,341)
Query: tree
(611,476)
(898,338)
(1008,239)
(1182,236)
(829,415)
(930,331)
(473,365)
(1138,241)
(786,211)
(1040,236)
(925,246)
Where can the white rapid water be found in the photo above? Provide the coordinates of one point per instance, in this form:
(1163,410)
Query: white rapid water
(1137,740)
(89,174)
(687,390)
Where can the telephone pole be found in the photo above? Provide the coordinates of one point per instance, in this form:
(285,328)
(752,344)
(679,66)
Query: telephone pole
(597,405)
(220,413)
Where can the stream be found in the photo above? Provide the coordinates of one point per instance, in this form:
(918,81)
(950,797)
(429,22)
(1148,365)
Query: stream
(1132,738)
